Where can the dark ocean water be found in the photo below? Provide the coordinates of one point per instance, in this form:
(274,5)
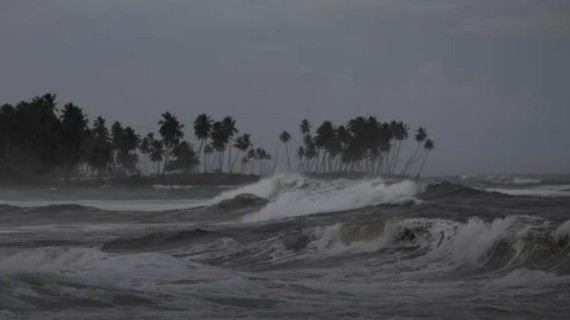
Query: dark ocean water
(494,247)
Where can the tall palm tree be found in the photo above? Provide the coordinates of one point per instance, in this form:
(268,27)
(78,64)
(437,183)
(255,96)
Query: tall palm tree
(251,156)
(429,145)
(127,156)
(285,137)
(74,125)
(301,157)
(101,149)
(144,147)
(230,130)
(202,131)
(171,132)
(219,141)
(401,134)
(157,153)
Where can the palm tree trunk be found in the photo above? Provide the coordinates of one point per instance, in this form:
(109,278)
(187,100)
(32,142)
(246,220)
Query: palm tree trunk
(287,154)
(166,158)
(230,158)
(423,163)
(396,157)
(411,160)
(203,151)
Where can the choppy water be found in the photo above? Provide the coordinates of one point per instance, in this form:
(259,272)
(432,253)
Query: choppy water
(369,249)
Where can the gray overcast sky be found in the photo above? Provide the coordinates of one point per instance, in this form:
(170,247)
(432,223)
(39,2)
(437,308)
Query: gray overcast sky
(490,79)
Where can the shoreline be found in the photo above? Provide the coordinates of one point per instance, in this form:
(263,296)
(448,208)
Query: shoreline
(195,179)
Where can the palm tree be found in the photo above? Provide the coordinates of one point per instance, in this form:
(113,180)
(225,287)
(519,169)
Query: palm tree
(230,130)
(428,147)
(242,143)
(74,125)
(202,131)
(305,127)
(156,153)
(251,156)
(420,136)
(285,137)
(400,134)
(171,132)
(301,157)
(145,146)
(219,141)
(325,135)
(100,149)
(185,159)
(127,157)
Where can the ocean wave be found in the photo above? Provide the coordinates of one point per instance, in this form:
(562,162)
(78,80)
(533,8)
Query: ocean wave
(446,245)
(542,191)
(505,179)
(158,241)
(293,196)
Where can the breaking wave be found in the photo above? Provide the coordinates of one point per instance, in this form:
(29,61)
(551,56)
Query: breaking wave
(292,196)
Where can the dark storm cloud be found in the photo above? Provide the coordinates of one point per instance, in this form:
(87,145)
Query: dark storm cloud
(488,79)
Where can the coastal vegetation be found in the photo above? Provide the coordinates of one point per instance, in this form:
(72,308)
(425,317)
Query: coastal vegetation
(40,138)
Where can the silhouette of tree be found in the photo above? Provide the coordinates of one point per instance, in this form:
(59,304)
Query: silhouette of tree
(420,136)
(157,153)
(242,144)
(285,137)
(230,130)
(429,145)
(100,153)
(74,128)
(171,132)
(202,131)
(185,159)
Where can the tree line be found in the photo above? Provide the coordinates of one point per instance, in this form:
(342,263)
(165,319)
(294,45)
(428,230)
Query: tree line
(362,145)
(40,138)
(37,138)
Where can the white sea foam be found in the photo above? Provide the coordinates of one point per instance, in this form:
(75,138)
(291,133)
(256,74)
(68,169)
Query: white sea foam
(563,231)
(476,238)
(298,196)
(542,191)
(525,278)
(526,181)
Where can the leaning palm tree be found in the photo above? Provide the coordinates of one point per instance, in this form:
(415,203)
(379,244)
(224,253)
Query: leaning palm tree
(285,137)
(420,136)
(429,145)
(400,135)
(202,131)
(230,130)
(171,132)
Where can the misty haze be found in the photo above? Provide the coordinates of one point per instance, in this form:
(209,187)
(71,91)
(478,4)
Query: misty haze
(284,159)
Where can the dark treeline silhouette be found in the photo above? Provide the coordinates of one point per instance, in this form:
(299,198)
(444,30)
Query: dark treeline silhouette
(38,138)
(362,145)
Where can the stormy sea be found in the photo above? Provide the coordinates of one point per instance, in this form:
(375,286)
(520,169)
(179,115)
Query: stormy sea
(290,247)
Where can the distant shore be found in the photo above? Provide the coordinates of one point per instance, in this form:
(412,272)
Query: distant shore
(138,181)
